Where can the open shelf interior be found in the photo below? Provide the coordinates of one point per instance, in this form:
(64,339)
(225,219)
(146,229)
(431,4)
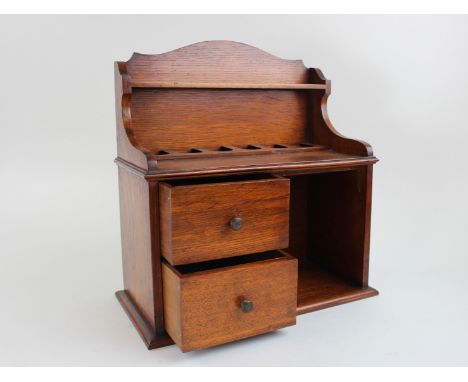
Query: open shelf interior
(327,235)
(319,289)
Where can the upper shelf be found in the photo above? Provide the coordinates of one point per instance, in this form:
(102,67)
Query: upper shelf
(174,117)
(272,86)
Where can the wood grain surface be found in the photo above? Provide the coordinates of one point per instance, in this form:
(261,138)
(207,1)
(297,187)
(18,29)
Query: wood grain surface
(139,224)
(150,337)
(216,62)
(339,223)
(204,134)
(319,288)
(136,243)
(183,119)
(202,309)
(195,218)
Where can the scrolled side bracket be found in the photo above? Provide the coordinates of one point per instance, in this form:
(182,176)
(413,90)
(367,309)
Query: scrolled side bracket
(321,128)
(128,148)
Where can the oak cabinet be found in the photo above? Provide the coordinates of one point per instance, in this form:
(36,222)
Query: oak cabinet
(241,206)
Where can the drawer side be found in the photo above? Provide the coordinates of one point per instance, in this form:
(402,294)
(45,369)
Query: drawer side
(172,307)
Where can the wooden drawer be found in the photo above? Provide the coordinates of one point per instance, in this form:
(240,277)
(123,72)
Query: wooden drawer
(215,302)
(203,221)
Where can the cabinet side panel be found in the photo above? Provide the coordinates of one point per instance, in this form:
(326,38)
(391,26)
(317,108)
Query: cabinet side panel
(299,220)
(136,242)
(366,185)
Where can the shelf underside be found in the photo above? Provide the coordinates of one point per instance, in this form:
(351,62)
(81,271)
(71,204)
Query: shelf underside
(319,289)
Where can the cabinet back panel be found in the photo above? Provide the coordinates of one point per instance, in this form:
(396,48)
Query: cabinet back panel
(214,62)
(208,118)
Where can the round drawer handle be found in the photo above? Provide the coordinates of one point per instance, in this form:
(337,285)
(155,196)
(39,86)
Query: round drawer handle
(236,223)
(246,306)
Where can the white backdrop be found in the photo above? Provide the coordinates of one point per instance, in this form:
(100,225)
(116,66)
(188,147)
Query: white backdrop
(398,82)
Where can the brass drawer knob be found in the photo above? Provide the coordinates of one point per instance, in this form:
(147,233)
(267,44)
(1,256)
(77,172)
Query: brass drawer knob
(246,306)
(236,223)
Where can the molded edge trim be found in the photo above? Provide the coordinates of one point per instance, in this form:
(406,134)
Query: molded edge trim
(162,175)
(146,332)
(354,295)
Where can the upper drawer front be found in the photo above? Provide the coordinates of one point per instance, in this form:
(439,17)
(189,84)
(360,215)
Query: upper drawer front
(209,221)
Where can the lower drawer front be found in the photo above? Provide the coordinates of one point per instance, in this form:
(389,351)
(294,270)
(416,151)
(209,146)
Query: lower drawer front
(214,306)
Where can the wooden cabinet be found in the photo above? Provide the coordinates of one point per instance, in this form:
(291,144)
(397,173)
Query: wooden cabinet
(241,206)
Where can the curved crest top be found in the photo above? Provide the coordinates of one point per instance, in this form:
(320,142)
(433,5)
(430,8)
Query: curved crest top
(217,61)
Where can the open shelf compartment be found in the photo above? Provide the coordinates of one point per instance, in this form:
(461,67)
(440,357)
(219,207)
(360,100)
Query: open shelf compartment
(328,230)
(320,289)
